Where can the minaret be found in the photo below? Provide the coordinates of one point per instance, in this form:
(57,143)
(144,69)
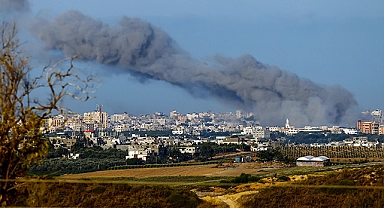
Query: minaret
(287,123)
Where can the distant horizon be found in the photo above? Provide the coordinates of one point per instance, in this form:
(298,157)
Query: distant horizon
(234,113)
(208,110)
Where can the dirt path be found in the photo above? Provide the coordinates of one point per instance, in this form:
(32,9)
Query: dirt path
(228,201)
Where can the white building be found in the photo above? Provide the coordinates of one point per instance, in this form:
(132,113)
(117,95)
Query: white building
(139,154)
(189,150)
(273,128)
(350,131)
(257,132)
(290,130)
(178,131)
(335,130)
(313,161)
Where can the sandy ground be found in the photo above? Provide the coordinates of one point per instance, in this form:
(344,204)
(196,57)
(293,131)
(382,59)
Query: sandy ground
(233,198)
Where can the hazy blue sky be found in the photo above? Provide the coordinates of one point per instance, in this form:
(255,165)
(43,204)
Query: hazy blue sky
(329,42)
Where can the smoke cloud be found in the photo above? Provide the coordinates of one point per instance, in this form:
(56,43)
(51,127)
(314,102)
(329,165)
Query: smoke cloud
(14,5)
(147,51)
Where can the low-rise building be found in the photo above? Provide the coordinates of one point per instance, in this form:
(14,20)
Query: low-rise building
(234,139)
(62,140)
(139,154)
(189,150)
(350,131)
(312,161)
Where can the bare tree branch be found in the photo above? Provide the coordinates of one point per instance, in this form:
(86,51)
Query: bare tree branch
(22,115)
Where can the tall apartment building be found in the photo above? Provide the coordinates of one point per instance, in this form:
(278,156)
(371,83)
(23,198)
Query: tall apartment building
(97,118)
(368,127)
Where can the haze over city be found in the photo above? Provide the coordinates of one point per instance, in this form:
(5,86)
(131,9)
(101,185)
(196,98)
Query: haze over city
(314,62)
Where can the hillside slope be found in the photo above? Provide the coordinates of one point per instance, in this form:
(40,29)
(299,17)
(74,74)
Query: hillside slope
(357,187)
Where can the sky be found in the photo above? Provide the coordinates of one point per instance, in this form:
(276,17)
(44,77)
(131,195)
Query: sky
(328,42)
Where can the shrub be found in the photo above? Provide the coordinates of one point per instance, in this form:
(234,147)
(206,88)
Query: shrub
(283,178)
(346,182)
(245,178)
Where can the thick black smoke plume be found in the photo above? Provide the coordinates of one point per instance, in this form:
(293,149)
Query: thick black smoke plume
(146,50)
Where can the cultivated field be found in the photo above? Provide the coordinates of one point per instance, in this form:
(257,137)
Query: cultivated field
(198,170)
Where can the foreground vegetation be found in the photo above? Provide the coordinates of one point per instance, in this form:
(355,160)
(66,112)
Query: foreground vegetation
(358,187)
(325,187)
(104,195)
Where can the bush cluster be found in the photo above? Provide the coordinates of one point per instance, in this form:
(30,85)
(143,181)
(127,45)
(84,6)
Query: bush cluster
(104,195)
(243,178)
(348,188)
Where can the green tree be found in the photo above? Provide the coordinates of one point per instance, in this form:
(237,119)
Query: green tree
(174,153)
(271,154)
(23,115)
(134,161)
(206,150)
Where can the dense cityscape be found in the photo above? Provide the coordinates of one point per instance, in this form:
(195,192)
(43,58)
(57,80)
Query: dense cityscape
(143,136)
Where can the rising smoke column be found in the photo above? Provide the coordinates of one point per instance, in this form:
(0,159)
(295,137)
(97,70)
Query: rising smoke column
(147,51)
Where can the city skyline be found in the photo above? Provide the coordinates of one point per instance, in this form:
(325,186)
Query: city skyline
(367,116)
(336,45)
